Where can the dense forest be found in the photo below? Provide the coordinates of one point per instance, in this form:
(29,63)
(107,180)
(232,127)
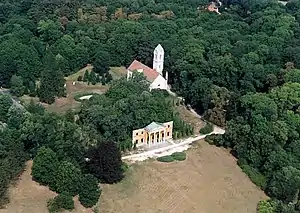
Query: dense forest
(240,69)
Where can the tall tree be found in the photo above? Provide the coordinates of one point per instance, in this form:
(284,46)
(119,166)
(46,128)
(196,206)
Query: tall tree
(45,166)
(52,81)
(105,162)
(16,85)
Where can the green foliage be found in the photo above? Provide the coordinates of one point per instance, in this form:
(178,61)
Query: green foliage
(176,156)
(208,128)
(266,206)
(167,158)
(105,162)
(52,80)
(35,108)
(68,178)
(89,191)
(61,202)
(179,156)
(45,166)
(5,104)
(86,76)
(93,78)
(16,85)
(255,176)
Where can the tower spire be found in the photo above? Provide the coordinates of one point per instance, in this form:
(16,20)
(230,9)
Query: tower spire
(158,59)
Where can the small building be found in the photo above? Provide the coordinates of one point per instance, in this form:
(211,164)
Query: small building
(153,75)
(154,133)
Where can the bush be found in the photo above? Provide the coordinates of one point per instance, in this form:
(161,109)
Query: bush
(266,206)
(208,128)
(255,176)
(68,178)
(89,192)
(79,78)
(180,156)
(60,202)
(167,158)
(44,167)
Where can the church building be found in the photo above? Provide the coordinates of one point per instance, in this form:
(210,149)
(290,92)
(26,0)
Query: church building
(153,75)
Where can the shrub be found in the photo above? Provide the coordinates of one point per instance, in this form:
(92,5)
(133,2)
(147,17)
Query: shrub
(79,78)
(167,158)
(44,167)
(89,192)
(255,176)
(208,128)
(266,206)
(60,202)
(68,178)
(180,156)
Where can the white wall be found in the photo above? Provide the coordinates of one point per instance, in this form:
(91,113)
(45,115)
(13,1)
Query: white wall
(159,83)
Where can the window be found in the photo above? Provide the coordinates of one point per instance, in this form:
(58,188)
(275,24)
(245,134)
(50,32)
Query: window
(168,133)
(168,126)
(158,85)
(162,134)
(142,140)
(142,132)
(160,56)
(136,141)
(136,133)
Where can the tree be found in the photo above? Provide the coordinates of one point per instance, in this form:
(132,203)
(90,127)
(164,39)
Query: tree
(105,162)
(35,108)
(5,103)
(68,178)
(61,202)
(49,30)
(93,78)
(265,206)
(52,80)
(16,117)
(285,184)
(102,62)
(45,167)
(16,86)
(86,76)
(89,192)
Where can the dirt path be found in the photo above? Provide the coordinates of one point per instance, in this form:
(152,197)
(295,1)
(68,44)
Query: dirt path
(167,150)
(209,181)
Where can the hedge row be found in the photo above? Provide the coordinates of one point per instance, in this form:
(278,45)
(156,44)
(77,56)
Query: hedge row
(176,156)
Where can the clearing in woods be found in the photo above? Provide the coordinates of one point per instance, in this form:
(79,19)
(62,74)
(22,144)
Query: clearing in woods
(209,181)
(61,105)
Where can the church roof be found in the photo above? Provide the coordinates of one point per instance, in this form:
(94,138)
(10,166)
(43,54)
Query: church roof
(149,73)
(153,126)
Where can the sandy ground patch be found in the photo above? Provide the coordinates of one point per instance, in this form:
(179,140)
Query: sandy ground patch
(30,197)
(209,181)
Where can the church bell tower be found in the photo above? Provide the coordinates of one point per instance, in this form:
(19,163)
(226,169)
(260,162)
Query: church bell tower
(158,60)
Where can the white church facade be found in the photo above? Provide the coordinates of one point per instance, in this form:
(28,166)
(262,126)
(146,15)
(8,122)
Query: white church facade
(153,75)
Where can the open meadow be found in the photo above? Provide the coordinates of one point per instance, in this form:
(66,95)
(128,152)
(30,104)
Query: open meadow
(209,181)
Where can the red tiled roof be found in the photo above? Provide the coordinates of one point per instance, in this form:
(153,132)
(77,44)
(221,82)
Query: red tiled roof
(149,73)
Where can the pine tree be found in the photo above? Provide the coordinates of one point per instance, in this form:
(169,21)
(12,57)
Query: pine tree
(86,76)
(108,77)
(52,80)
(106,163)
(92,78)
(103,81)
